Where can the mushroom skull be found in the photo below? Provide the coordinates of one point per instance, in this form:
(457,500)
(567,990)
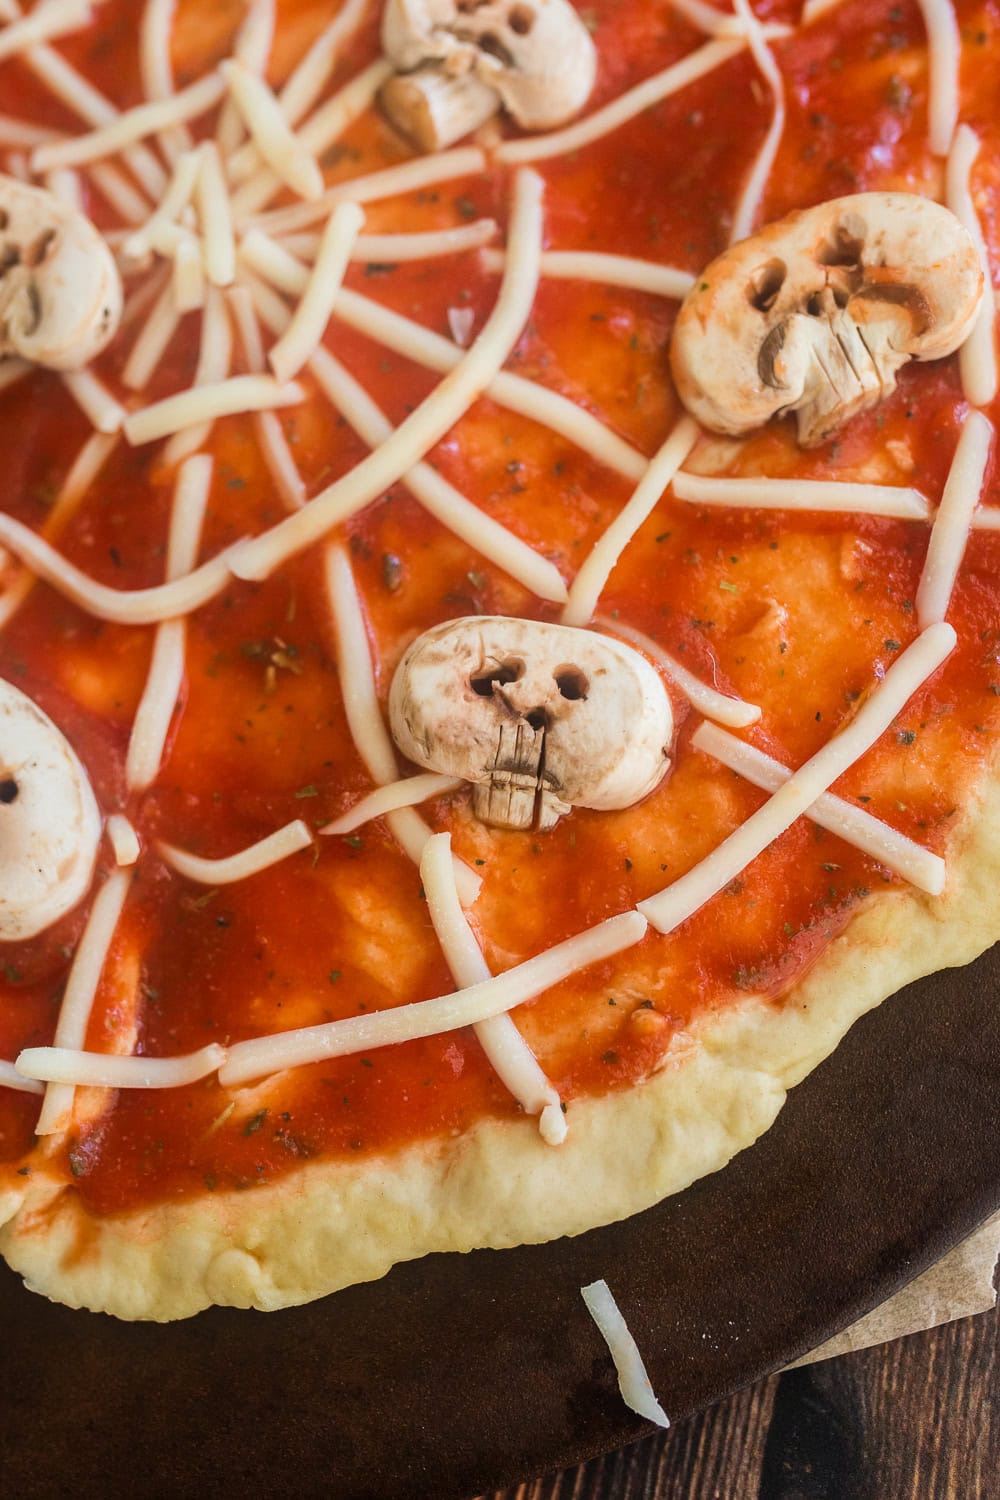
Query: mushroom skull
(458,61)
(817,313)
(49,823)
(538,717)
(60,292)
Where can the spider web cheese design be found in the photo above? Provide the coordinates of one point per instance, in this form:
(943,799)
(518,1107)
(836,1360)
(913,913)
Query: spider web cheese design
(248,199)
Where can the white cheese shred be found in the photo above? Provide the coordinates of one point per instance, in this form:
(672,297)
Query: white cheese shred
(612,270)
(274,446)
(81,988)
(123,839)
(950,532)
(390,249)
(465,1007)
(312,74)
(94,400)
(820,495)
(240,866)
(944,53)
(242,393)
(289,158)
(170,206)
(509,1054)
(165,678)
(151,342)
(633,1382)
(66,1067)
(660,86)
(129,127)
(155,70)
(977,358)
(215,355)
(429,422)
(756,183)
(147,606)
(308,325)
(590,581)
(187,287)
(672,906)
(23,134)
(315,136)
(919,866)
(51,19)
(364,716)
(408,792)
(127,202)
(10,1078)
(216,221)
(718,23)
(390,182)
(736,713)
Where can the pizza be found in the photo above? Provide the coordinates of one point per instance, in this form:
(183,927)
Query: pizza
(499,620)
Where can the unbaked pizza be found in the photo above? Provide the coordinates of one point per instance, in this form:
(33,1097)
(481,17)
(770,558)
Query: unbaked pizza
(500,614)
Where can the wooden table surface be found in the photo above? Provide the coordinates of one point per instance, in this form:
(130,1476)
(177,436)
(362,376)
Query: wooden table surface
(918,1419)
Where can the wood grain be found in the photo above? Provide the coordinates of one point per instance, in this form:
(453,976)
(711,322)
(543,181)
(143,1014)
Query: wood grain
(918,1419)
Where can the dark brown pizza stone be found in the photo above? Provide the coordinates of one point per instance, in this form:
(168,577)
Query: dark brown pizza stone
(458,1374)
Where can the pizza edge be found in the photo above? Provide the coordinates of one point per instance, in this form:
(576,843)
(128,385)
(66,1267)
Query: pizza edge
(335,1224)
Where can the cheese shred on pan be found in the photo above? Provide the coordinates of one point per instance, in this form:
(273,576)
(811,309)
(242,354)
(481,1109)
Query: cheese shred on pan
(977,358)
(826,495)
(228,398)
(308,324)
(950,531)
(64,1067)
(633,1382)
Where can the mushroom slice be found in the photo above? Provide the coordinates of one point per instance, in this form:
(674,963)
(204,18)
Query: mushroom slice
(463,59)
(537,717)
(49,823)
(60,292)
(818,312)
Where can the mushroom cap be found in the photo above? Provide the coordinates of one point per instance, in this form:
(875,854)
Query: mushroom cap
(60,291)
(536,54)
(577,717)
(49,821)
(817,312)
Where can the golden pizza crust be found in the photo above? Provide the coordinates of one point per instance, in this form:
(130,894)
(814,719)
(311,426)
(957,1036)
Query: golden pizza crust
(337,1223)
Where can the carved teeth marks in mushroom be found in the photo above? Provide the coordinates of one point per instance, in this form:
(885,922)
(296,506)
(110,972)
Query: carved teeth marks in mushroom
(817,313)
(50,825)
(460,61)
(60,291)
(539,718)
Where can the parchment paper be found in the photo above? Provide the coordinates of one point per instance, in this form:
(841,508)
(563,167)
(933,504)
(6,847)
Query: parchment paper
(957,1287)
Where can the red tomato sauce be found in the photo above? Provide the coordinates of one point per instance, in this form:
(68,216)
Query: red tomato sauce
(799,613)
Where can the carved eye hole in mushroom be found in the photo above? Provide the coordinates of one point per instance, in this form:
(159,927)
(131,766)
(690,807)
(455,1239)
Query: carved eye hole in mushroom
(520,20)
(484,683)
(493,47)
(8,790)
(571,682)
(765,284)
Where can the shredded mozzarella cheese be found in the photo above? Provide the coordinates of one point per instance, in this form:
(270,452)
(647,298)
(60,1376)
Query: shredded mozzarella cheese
(613,270)
(633,1382)
(390,249)
(875,838)
(734,712)
(408,792)
(826,495)
(241,393)
(286,154)
(81,987)
(68,1067)
(270,435)
(590,581)
(306,1044)
(950,531)
(151,341)
(428,423)
(308,325)
(670,81)
(944,50)
(250,861)
(509,1054)
(129,127)
(672,906)
(756,183)
(123,839)
(977,358)
(50,19)
(94,400)
(10,1078)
